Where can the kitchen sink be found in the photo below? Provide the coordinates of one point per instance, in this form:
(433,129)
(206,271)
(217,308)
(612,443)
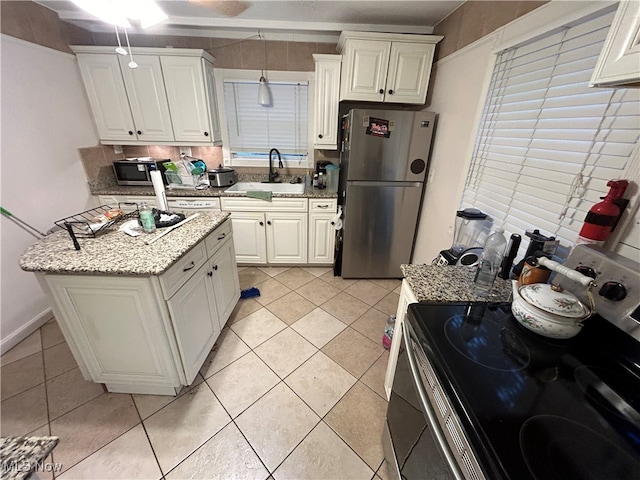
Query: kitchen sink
(290,188)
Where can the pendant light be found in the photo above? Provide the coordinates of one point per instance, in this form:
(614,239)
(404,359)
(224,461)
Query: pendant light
(264,93)
(120,50)
(132,64)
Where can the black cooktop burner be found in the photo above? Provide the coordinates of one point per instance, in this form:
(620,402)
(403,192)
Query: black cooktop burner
(485,341)
(556,448)
(533,407)
(610,392)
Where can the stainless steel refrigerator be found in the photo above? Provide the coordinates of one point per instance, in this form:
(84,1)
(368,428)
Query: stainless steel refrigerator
(383,166)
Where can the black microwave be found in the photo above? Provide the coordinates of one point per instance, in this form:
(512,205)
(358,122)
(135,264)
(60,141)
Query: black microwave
(137,171)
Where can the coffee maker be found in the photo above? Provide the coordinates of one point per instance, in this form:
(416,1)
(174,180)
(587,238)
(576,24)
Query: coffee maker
(468,238)
(540,245)
(321,168)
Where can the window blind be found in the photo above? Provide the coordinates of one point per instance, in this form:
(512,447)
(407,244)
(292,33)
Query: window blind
(547,143)
(254,129)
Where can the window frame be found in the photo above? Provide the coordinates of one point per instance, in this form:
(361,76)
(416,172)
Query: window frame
(524,30)
(226,75)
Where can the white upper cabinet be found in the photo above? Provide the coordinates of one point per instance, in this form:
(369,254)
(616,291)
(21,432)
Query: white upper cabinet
(619,61)
(409,66)
(107,97)
(327,98)
(147,99)
(184,78)
(169,99)
(383,67)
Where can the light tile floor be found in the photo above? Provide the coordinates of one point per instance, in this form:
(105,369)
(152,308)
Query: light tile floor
(293,389)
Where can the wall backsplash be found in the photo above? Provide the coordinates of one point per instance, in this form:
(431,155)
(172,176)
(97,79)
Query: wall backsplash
(97,161)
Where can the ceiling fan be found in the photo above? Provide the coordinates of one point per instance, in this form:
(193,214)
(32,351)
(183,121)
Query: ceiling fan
(228,8)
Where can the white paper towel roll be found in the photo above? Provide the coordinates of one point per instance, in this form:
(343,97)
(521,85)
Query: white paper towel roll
(158,188)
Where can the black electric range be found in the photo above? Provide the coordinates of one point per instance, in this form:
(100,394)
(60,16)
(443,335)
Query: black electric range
(533,407)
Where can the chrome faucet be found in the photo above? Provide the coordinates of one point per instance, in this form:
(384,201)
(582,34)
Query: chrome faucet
(274,174)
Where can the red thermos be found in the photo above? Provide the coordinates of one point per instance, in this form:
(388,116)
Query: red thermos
(603,215)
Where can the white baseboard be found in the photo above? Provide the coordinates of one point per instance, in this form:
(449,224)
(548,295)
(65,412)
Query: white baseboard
(15,337)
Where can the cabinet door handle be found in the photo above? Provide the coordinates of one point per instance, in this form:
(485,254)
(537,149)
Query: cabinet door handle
(320,135)
(215,267)
(191,265)
(210,274)
(262,224)
(390,92)
(381,91)
(268,222)
(222,236)
(206,134)
(333,223)
(139,132)
(130,132)
(323,206)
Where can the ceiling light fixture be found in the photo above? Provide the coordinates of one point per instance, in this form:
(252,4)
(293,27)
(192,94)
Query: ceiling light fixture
(119,12)
(264,93)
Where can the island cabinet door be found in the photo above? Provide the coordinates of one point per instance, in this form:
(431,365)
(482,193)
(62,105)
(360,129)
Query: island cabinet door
(116,326)
(226,286)
(195,320)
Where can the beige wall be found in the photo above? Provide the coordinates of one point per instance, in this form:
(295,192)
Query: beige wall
(36,24)
(476,19)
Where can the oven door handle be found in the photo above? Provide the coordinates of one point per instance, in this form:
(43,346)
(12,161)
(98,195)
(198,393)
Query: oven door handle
(426,406)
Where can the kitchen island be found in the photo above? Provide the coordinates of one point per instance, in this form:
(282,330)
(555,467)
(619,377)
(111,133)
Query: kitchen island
(436,284)
(138,317)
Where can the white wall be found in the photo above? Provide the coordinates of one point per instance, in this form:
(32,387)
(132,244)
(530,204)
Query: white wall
(458,97)
(45,118)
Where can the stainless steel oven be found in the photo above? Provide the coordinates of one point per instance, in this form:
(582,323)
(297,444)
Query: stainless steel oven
(478,396)
(423,438)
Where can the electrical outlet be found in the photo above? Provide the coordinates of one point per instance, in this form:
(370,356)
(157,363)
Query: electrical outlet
(185,150)
(117,149)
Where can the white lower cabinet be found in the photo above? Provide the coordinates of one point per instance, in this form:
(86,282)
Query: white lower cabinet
(118,331)
(269,232)
(195,320)
(250,237)
(286,237)
(322,231)
(224,279)
(274,237)
(149,334)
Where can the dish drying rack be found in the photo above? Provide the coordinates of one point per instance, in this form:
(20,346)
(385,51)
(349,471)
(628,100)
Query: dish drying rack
(85,225)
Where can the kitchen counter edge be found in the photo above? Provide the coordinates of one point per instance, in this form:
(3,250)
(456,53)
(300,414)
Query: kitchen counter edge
(117,254)
(448,283)
(111,189)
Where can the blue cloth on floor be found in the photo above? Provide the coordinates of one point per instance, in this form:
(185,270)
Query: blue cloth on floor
(250,292)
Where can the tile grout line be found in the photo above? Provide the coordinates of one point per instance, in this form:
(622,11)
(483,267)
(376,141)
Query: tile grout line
(232,420)
(46,394)
(144,427)
(338,434)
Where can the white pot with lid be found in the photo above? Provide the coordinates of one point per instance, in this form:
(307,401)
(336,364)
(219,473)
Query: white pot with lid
(548,310)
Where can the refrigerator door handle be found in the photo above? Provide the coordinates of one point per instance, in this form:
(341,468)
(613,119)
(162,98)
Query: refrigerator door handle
(368,183)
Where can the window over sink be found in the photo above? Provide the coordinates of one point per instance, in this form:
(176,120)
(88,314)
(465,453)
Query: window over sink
(251,130)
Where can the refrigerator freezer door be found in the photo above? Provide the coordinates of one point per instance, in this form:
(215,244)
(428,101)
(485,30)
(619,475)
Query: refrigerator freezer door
(379,228)
(389,145)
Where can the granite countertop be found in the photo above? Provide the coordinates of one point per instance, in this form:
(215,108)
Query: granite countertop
(109,187)
(116,253)
(445,283)
(21,456)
